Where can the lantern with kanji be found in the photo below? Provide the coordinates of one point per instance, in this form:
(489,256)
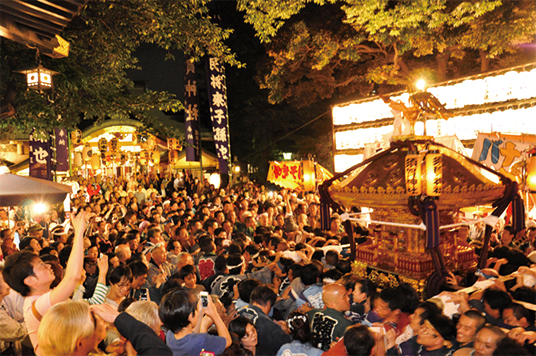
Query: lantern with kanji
(173,157)
(103,146)
(113,144)
(144,157)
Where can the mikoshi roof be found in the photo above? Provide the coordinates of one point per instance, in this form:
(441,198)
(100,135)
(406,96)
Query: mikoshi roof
(379,182)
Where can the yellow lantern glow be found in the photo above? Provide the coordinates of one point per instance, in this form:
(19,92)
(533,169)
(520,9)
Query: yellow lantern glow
(308,169)
(155,157)
(95,162)
(173,156)
(39,78)
(78,159)
(434,174)
(531,172)
(144,158)
(413,174)
(87,152)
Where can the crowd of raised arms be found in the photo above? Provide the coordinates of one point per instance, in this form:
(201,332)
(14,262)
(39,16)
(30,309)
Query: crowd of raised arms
(169,265)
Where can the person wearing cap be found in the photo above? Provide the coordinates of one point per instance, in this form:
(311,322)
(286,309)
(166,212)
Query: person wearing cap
(36,231)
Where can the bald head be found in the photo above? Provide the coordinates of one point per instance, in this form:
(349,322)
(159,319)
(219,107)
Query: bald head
(123,252)
(335,297)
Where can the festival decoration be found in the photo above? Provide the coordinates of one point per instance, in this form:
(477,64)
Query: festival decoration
(191,112)
(39,78)
(78,161)
(95,162)
(144,157)
(300,175)
(218,112)
(87,153)
(531,171)
(155,157)
(173,156)
(113,145)
(76,137)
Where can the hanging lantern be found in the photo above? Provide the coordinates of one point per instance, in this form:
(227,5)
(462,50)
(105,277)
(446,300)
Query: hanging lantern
(76,137)
(113,144)
(78,159)
(531,171)
(95,162)
(122,158)
(129,156)
(173,157)
(87,152)
(39,78)
(103,146)
(308,169)
(413,174)
(172,143)
(155,157)
(144,157)
(434,174)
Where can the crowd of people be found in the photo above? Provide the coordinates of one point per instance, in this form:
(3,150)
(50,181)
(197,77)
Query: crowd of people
(169,265)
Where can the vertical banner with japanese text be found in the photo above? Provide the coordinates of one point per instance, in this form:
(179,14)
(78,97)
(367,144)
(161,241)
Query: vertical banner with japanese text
(191,112)
(217,93)
(40,157)
(62,150)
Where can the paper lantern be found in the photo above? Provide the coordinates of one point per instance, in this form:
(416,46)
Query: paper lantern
(78,161)
(531,171)
(87,152)
(76,137)
(103,145)
(309,181)
(95,162)
(173,157)
(155,157)
(144,158)
(122,158)
(113,144)
(434,174)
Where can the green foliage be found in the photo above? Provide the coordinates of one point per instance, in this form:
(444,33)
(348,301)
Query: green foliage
(92,83)
(336,48)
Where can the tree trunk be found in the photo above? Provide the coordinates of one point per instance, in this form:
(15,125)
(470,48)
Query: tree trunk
(442,64)
(484,61)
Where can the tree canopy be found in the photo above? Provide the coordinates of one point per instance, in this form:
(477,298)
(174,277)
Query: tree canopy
(92,83)
(325,48)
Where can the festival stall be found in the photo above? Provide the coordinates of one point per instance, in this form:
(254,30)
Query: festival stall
(298,175)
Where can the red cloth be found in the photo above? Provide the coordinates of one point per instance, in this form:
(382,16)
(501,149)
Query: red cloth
(337,350)
(93,191)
